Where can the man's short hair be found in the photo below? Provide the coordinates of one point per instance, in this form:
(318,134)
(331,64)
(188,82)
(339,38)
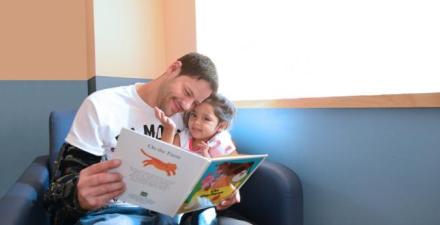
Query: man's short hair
(201,67)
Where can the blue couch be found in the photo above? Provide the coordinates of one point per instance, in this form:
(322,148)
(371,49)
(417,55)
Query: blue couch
(272,196)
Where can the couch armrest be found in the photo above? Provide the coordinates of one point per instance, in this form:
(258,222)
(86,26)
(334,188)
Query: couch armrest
(22,204)
(273,195)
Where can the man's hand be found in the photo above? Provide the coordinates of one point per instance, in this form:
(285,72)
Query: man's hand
(228,202)
(96,186)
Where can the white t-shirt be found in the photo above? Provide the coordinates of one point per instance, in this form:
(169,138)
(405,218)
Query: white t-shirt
(101,116)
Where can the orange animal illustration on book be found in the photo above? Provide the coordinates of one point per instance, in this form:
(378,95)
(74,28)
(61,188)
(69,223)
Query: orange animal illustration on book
(228,174)
(168,168)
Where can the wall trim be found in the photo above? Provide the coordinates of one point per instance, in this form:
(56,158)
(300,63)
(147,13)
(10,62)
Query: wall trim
(425,100)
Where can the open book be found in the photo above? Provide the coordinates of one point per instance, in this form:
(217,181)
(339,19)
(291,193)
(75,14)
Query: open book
(170,180)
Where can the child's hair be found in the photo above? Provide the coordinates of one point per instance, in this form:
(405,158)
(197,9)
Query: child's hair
(224,109)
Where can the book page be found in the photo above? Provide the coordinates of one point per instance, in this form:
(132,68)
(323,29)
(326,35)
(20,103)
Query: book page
(222,178)
(158,175)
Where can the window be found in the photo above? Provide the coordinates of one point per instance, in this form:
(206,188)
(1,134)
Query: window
(282,49)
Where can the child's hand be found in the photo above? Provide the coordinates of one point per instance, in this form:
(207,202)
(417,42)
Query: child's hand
(203,148)
(231,200)
(165,120)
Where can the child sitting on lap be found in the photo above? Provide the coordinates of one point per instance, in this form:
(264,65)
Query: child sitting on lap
(206,128)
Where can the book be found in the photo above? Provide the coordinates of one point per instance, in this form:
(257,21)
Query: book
(170,180)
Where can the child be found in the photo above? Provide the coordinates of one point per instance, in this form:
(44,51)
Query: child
(206,135)
(206,124)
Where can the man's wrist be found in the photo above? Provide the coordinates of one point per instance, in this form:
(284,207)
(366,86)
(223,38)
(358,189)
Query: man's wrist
(77,206)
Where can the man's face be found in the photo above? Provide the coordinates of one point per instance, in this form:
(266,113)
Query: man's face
(182,93)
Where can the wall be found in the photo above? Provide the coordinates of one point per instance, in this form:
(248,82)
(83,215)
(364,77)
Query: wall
(45,61)
(139,39)
(180,28)
(135,41)
(357,166)
(24,118)
(35,46)
(53,54)
(129,38)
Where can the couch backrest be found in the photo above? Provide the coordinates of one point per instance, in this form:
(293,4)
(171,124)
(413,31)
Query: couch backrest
(281,191)
(59,125)
(283,183)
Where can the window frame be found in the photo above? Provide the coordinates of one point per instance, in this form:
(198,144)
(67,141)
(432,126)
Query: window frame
(424,100)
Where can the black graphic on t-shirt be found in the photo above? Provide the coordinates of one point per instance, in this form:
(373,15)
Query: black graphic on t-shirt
(155,132)
(151,131)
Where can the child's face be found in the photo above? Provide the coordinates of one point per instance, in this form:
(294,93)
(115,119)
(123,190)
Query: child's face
(203,123)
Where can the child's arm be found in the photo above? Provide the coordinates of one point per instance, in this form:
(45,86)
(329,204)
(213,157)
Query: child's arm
(168,134)
(169,127)
(229,201)
(176,141)
(235,152)
(222,145)
(204,149)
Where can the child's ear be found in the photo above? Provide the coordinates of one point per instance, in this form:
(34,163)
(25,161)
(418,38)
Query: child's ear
(222,126)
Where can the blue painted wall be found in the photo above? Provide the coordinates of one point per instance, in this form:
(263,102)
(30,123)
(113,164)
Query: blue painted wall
(24,121)
(103,82)
(24,117)
(357,166)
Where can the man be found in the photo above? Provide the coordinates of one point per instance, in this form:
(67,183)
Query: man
(82,189)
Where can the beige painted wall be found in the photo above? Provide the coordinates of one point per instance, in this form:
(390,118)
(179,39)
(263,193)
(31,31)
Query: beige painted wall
(129,38)
(45,40)
(180,28)
(74,40)
(140,38)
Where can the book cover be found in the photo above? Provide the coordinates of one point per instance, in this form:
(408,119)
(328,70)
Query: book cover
(170,180)
(222,178)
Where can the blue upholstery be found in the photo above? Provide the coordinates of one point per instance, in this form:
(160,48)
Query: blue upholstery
(272,196)
(22,204)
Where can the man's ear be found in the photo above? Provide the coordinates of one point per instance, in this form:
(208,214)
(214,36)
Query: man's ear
(173,70)
(175,67)
(222,126)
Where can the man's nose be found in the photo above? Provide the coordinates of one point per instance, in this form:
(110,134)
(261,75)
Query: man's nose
(187,104)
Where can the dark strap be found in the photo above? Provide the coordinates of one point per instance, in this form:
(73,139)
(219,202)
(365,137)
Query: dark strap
(61,198)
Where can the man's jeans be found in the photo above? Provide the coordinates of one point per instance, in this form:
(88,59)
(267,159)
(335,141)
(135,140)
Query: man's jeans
(117,215)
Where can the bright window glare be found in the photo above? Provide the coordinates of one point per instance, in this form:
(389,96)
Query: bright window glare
(281,49)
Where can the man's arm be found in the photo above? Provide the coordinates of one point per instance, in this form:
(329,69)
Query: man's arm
(65,198)
(60,199)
